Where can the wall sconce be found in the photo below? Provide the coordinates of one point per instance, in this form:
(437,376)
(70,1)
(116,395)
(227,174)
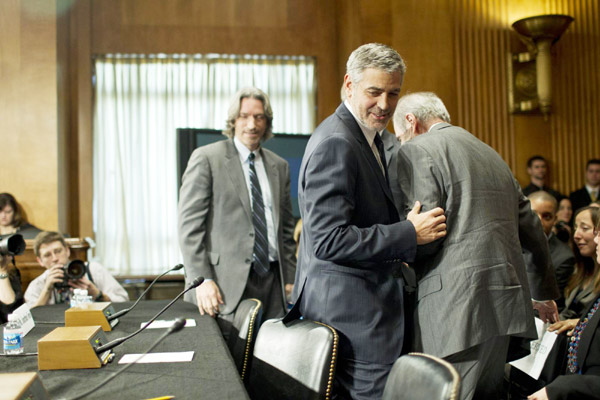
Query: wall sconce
(530,74)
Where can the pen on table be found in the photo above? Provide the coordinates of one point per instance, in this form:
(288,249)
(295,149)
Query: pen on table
(162,398)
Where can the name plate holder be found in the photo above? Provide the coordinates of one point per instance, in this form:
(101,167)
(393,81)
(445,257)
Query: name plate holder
(22,386)
(91,314)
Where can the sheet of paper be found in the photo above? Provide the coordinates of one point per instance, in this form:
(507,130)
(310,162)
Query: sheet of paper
(533,364)
(161,323)
(151,358)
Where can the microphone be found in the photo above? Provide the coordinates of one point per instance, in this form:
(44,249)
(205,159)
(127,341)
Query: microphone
(116,342)
(125,311)
(176,327)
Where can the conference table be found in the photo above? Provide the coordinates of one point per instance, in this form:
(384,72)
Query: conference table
(210,375)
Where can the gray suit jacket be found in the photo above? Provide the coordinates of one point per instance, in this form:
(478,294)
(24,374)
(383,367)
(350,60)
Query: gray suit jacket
(215,219)
(473,285)
(351,244)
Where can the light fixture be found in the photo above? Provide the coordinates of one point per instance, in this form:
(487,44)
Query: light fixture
(530,73)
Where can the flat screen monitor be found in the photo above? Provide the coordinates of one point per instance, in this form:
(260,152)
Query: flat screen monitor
(289,147)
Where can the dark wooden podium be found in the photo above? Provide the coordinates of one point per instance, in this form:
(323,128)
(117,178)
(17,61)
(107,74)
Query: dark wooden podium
(31,269)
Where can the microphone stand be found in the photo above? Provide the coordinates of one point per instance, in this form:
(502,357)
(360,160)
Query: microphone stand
(125,311)
(177,326)
(116,342)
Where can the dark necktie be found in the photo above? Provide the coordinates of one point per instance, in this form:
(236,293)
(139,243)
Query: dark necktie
(261,241)
(379,144)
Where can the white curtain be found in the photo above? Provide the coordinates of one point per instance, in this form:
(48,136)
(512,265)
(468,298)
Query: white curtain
(140,101)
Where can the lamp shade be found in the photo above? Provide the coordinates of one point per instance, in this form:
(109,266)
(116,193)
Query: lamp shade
(550,26)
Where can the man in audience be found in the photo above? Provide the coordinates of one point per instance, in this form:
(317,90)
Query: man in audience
(563,260)
(537,168)
(591,191)
(352,242)
(235,216)
(473,290)
(53,254)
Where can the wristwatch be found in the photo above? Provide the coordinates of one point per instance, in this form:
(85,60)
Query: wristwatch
(99,297)
(3,276)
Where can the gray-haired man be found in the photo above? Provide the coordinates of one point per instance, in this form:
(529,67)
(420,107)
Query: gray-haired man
(235,216)
(473,290)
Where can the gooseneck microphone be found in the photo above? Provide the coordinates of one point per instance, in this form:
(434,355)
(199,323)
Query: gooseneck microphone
(125,311)
(116,342)
(177,326)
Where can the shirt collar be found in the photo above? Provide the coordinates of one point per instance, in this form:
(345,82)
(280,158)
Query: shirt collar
(243,151)
(368,132)
(591,189)
(437,123)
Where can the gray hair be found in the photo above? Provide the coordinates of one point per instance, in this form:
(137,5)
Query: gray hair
(374,55)
(424,105)
(234,110)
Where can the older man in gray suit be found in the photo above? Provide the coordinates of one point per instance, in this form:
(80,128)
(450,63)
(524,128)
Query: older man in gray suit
(235,216)
(473,288)
(352,241)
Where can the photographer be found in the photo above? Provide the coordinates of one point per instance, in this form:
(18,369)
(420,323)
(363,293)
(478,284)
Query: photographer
(52,288)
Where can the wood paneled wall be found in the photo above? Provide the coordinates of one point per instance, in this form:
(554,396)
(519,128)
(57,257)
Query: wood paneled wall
(457,48)
(28,107)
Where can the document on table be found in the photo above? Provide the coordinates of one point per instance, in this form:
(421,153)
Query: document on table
(161,323)
(151,358)
(533,364)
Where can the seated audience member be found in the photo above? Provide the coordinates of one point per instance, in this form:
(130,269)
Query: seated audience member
(537,168)
(563,260)
(590,192)
(12,220)
(11,295)
(584,285)
(582,380)
(53,254)
(562,228)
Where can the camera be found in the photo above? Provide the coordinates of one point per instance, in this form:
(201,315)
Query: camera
(12,245)
(75,269)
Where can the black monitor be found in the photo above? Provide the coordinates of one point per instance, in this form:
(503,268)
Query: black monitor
(289,147)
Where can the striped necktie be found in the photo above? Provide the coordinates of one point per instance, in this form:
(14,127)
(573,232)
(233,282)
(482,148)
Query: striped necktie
(261,242)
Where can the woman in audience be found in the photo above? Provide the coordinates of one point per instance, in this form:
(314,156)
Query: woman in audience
(12,220)
(582,380)
(562,228)
(584,285)
(11,295)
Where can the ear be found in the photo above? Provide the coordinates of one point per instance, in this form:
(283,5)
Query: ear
(348,86)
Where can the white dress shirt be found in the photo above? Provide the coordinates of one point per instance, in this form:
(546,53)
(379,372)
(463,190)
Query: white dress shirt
(265,188)
(369,135)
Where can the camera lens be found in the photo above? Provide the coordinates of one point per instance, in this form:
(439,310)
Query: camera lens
(75,269)
(12,245)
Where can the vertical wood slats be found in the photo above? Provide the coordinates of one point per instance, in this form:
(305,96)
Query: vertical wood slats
(482,42)
(575,124)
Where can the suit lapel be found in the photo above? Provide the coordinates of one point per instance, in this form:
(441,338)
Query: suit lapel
(236,175)
(273,176)
(366,151)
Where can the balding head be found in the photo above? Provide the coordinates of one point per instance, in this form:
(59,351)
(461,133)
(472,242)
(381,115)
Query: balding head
(545,206)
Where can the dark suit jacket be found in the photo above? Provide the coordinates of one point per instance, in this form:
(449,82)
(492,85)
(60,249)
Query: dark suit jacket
(351,243)
(531,188)
(391,145)
(216,233)
(473,285)
(563,262)
(580,198)
(587,384)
